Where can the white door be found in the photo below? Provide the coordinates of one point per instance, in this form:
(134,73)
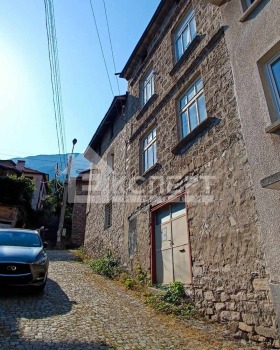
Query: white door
(172,249)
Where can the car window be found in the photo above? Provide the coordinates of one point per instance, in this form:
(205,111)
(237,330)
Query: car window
(19,239)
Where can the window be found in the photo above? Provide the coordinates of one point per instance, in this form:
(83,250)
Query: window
(110,162)
(249,2)
(273,73)
(149,150)
(108,215)
(185,34)
(192,108)
(147,87)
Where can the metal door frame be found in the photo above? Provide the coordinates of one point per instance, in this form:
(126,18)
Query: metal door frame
(153,212)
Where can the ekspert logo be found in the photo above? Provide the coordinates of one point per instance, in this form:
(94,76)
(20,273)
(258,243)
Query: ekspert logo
(101,184)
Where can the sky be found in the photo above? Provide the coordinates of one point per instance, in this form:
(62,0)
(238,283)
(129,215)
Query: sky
(26,107)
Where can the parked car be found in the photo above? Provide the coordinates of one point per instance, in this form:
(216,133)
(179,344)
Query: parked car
(23,260)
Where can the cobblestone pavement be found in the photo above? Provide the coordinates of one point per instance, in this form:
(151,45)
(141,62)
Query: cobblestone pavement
(80,310)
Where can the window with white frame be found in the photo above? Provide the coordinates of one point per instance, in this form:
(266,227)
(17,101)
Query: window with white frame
(273,73)
(147,87)
(149,148)
(192,109)
(185,34)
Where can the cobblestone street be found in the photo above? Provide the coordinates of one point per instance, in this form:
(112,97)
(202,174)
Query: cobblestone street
(80,310)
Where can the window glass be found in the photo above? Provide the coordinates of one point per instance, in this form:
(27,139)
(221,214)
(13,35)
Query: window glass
(275,67)
(192,108)
(185,124)
(186,38)
(199,85)
(147,87)
(149,150)
(193,116)
(191,93)
(193,28)
(273,74)
(201,108)
(184,35)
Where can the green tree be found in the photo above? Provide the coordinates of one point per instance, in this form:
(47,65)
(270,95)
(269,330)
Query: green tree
(16,190)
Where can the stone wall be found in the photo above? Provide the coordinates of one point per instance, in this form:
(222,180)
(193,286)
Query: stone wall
(230,279)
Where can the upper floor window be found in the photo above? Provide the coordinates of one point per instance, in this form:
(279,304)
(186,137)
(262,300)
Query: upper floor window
(149,150)
(192,109)
(273,73)
(147,87)
(185,34)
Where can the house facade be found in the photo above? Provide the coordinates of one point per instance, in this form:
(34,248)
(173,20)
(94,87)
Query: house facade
(253,41)
(173,188)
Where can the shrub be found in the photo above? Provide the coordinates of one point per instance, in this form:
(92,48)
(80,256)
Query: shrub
(108,266)
(175,293)
(174,301)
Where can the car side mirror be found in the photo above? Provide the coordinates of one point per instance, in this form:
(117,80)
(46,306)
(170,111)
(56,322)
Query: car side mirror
(45,245)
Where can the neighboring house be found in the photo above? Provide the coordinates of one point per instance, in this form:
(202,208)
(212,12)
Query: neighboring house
(8,167)
(253,40)
(79,208)
(174,183)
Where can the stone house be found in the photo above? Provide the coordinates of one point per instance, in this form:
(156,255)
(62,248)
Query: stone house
(79,208)
(172,185)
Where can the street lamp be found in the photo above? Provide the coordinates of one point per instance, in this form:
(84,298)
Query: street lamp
(64,201)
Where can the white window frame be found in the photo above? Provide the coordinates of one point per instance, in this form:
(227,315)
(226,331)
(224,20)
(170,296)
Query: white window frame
(272,83)
(149,142)
(147,87)
(184,110)
(181,30)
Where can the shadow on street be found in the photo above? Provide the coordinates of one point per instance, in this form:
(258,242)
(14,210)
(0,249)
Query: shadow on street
(23,303)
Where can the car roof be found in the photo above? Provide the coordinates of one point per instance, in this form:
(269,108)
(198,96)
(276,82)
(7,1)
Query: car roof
(19,230)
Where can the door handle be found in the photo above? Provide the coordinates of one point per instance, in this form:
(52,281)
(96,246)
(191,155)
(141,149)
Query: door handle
(182,250)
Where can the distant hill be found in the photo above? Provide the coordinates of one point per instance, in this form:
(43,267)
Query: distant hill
(46,163)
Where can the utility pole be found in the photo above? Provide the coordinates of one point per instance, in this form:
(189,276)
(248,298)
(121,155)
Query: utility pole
(64,200)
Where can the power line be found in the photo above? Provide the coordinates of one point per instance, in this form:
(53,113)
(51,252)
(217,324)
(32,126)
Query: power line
(112,52)
(55,78)
(104,60)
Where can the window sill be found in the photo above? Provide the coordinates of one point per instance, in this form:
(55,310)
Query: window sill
(274,128)
(146,106)
(186,54)
(271,182)
(250,10)
(192,135)
(151,171)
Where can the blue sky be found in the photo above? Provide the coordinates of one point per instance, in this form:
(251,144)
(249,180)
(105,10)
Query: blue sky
(26,109)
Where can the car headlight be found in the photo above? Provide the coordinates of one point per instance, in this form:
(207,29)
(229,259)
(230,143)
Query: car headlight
(41,261)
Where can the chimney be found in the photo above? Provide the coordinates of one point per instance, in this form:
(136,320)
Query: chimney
(20,164)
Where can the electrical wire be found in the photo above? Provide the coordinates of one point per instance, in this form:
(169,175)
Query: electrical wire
(101,47)
(55,79)
(112,51)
